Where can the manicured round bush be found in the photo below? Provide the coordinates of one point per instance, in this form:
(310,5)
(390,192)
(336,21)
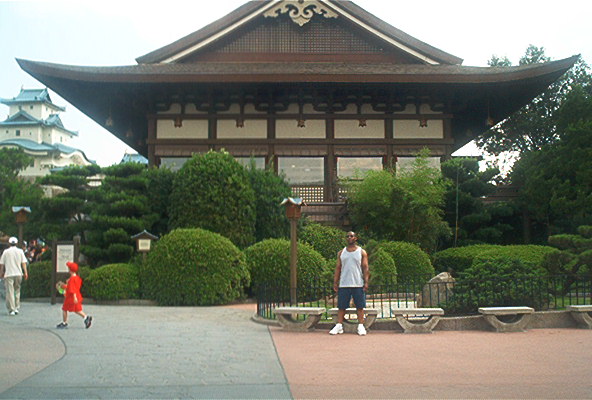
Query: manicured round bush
(326,240)
(194,267)
(213,191)
(113,282)
(269,263)
(411,261)
(496,281)
(383,270)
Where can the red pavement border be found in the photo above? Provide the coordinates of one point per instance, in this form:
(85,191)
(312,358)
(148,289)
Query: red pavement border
(539,363)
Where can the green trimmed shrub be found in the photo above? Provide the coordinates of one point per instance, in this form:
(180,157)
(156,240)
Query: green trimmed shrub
(113,282)
(194,267)
(213,191)
(39,282)
(119,251)
(458,259)
(269,263)
(383,270)
(326,240)
(270,189)
(410,260)
(500,281)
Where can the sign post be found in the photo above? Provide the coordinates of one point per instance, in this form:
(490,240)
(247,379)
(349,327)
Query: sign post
(63,252)
(293,212)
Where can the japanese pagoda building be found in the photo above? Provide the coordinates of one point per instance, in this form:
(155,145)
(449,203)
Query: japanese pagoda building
(318,88)
(34,125)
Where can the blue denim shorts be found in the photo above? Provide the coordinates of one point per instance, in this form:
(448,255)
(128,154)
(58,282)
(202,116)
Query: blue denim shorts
(345,294)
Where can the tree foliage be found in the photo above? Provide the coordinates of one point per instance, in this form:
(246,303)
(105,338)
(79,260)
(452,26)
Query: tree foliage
(535,125)
(269,189)
(474,221)
(406,206)
(557,180)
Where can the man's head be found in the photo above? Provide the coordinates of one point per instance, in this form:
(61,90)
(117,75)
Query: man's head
(351,237)
(13,241)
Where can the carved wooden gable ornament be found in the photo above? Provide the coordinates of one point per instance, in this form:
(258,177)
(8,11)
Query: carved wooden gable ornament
(301,11)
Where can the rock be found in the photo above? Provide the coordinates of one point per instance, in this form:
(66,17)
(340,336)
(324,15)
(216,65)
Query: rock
(437,290)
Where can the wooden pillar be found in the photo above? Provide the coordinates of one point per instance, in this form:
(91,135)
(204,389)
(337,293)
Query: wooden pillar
(388,135)
(330,175)
(152,161)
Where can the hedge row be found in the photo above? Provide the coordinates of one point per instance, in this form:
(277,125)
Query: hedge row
(459,259)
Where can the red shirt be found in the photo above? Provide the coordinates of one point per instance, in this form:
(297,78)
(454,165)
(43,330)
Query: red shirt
(73,286)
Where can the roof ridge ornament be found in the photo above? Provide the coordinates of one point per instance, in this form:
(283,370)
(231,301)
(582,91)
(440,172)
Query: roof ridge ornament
(301,11)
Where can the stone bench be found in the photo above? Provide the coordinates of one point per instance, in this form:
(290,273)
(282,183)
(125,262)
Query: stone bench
(288,317)
(370,315)
(582,315)
(515,319)
(417,325)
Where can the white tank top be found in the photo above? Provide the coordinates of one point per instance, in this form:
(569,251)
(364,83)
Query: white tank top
(351,268)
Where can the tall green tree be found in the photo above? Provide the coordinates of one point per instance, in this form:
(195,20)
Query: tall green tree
(534,126)
(471,219)
(407,206)
(17,192)
(557,180)
(66,214)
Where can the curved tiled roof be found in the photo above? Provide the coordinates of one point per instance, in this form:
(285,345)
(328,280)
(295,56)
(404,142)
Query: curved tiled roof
(23,118)
(27,96)
(33,146)
(294,72)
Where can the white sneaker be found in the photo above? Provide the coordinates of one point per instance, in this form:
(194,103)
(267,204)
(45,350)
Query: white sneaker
(337,330)
(12,313)
(361,330)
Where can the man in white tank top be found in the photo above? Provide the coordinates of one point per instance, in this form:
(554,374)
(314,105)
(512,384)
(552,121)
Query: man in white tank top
(351,281)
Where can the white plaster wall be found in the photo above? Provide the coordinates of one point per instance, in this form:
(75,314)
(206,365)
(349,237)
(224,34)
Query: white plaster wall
(288,129)
(252,129)
(350,129)
(191,129)
(410,129)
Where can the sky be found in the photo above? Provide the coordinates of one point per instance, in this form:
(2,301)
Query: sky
(108,33)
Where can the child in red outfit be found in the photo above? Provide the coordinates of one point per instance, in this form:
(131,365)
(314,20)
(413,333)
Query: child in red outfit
(73,297)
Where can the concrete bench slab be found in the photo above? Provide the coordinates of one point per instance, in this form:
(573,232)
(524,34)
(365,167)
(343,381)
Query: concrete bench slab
(370,315)
(520,318)
(582,314)
(415,325)
(288,317)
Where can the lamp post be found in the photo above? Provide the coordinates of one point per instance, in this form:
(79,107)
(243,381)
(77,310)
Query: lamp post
(293,212)
(21,218)
(144,242)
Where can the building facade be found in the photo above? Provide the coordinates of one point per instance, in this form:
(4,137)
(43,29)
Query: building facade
(34,125)
(320,89)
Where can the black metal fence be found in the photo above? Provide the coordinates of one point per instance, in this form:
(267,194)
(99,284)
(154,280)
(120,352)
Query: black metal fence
(459,297)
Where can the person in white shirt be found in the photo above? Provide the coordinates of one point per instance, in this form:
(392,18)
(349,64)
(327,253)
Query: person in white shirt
(351,281)
(13,264)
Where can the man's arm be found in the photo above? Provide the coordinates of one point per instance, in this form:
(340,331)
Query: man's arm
(1,271)
(24,265)
(337,274)
(365,269)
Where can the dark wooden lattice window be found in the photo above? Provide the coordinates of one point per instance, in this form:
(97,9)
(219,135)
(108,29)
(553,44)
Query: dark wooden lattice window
(281,35)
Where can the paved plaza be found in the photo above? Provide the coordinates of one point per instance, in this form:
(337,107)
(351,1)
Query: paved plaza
(218,352)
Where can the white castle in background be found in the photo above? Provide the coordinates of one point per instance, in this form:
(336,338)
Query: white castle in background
(34,125)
